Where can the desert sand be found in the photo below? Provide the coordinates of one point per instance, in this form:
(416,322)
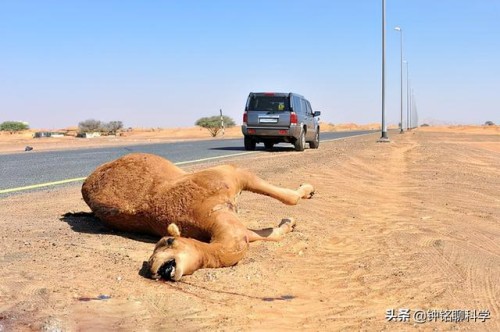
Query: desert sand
(399,235)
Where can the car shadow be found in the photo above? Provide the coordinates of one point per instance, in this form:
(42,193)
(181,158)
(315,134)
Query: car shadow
(88,223)
(258,148)
(228,148)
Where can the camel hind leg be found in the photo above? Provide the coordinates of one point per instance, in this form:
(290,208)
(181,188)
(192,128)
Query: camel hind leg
(253,183)
(272,234)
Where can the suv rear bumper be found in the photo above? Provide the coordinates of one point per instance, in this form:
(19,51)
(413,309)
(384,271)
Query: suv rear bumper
(271,132)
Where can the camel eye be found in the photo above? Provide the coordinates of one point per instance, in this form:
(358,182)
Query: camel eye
(170,241)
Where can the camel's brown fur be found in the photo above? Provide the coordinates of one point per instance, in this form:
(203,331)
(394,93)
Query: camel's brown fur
(195,213)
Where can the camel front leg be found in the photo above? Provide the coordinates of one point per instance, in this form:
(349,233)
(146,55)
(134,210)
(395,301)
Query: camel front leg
(257,185)
(272,234)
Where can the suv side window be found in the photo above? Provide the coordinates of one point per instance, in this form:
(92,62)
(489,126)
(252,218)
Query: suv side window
(296,104)
(304,106)
(309,109)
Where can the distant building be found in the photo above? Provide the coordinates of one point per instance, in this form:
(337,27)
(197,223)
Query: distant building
(40,134)
(89,135)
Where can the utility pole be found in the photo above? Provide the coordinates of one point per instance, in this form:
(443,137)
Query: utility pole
(411,108)
(398,28)
(407,98)
(383,137)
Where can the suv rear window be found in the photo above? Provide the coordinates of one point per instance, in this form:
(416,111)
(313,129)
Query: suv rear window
(269,103)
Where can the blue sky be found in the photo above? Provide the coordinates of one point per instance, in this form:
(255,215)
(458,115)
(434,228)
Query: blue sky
(168,63)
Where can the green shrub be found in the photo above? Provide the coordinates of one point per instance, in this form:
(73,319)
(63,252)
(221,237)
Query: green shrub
(13,126)
(214,125)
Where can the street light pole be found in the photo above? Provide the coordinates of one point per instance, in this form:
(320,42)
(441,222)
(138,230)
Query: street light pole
(384,137)
(398,28)
(407,97)
(411,108)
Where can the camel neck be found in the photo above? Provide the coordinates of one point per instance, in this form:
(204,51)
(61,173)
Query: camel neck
(228,244)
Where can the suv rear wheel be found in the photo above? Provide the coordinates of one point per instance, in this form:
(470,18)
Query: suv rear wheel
(300,143)
(315,144)
(249,144)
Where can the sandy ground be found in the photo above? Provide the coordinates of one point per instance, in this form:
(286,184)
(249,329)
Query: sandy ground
(407,225)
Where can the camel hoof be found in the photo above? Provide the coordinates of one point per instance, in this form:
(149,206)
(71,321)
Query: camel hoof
(288,222)
(309,190)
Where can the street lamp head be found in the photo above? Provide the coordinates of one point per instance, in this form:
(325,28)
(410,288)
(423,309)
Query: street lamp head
(397,28)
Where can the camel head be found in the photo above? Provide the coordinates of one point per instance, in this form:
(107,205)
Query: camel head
(174,257)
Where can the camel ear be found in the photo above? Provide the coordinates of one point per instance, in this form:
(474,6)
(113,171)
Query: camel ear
(173,230)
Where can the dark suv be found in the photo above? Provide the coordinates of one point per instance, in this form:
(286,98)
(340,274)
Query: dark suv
(275,117)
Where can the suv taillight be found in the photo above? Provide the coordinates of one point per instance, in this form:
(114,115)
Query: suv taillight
(245,117)
(293,118)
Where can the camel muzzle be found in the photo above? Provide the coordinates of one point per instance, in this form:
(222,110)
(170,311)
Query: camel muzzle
(167,270)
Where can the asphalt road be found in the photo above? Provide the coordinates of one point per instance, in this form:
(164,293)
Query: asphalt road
(21,172)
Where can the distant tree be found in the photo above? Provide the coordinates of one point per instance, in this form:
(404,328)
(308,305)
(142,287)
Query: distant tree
(112,127)
(89,126)
(13,126)
(92,126)
(214,125)
(424,125)
(489,123)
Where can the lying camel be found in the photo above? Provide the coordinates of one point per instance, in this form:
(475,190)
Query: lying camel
(148,194)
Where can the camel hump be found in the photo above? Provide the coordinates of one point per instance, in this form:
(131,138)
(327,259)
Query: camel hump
(127,183)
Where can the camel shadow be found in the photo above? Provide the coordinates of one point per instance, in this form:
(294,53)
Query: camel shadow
(88,223)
